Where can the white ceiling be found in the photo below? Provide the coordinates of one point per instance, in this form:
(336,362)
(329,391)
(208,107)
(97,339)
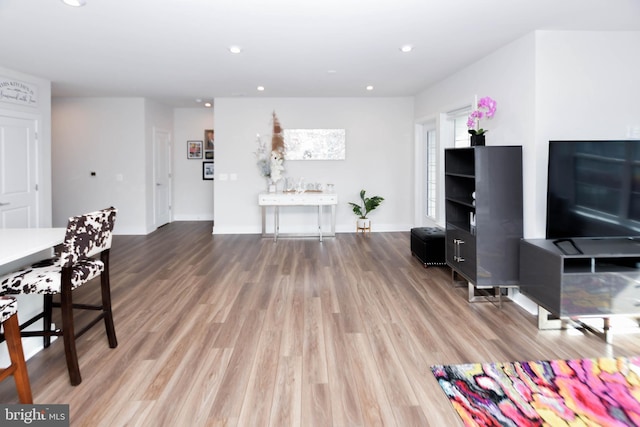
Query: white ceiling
(177,50)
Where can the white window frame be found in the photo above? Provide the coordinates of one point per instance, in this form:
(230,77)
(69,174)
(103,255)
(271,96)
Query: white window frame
(424,128)
(447,135)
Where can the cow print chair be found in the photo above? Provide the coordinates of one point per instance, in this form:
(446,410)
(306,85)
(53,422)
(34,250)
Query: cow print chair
(84,255)
(11,332)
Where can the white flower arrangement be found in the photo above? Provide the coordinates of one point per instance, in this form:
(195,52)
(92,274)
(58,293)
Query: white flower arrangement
(277,167)
(271,159)
(264,158)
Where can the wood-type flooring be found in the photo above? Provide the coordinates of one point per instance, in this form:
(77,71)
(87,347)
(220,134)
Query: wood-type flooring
(236,330)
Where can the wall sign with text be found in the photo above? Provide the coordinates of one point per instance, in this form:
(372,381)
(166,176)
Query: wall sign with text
(18,92)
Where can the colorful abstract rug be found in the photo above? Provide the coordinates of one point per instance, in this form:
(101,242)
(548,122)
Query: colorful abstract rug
(583,392)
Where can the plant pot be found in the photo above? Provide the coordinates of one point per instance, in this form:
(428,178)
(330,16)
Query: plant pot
(363,224)
(477,140)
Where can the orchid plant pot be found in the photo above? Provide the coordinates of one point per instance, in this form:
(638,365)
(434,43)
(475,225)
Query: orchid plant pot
(477,140)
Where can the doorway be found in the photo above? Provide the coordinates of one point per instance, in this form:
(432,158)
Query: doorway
(18,171)
(162,176)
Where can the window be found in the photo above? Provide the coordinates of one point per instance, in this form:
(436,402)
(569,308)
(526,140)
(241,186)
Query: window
(430,168)
(461,137)
(433,136)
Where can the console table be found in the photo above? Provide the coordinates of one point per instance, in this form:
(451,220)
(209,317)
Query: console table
(277,200)
(581,278)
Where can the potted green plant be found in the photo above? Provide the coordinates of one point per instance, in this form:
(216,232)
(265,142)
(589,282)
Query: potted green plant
(364,208)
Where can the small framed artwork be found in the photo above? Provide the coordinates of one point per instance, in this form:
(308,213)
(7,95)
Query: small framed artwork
(207,170)
(208,154)
(194,149)
(208,139)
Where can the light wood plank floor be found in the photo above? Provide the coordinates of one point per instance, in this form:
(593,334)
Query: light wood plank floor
(236,330)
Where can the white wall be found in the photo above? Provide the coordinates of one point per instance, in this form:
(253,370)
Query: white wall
(379,134)
(42,113)
(587,88)
(192,196)
(507,76)
(106,136)
(112,137)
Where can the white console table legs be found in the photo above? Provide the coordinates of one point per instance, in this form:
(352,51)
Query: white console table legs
(277,200)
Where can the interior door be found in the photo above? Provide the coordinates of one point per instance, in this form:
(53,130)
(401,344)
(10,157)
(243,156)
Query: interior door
(18,172)
(162,174)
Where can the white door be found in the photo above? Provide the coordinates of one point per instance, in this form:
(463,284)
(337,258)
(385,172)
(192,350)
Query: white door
(162,174)
(18,172)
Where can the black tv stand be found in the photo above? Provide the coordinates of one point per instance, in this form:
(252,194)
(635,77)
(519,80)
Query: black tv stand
(599,280)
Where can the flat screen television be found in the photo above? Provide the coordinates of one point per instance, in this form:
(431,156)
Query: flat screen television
(593,189)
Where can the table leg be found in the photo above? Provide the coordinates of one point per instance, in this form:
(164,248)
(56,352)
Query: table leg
(264,221)
(333,220)
(320,221)
(276,223)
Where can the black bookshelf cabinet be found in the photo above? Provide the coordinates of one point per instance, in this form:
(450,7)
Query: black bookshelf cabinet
(483,197)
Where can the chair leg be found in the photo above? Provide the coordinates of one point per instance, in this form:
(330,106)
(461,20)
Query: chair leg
(46,327)
(106,307)
(16,354)
(68,334)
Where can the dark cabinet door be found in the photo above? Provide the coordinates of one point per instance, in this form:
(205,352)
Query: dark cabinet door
(461,253)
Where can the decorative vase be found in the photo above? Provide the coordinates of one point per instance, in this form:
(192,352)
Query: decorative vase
(271,186)
(477,140)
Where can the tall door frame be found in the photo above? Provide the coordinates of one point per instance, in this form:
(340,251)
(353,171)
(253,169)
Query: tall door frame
(31,170)
(162,177)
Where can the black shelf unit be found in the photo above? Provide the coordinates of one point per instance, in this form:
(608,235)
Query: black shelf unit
(483,207)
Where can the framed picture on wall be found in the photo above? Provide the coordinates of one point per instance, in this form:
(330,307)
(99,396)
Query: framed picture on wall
(207,170)
(208,139)
(208,154)
(194,149)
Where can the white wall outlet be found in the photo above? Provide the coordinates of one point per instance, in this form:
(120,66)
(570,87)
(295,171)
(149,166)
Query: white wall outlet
(223,177)
(233,177)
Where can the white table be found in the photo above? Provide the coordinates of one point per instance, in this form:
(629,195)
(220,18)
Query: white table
(277,200)
(20,243)
(20,247)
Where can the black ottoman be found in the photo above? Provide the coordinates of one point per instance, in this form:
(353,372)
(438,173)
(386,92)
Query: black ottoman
(428,245)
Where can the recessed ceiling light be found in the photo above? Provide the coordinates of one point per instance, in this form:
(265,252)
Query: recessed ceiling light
(406,48)
(369,87)
(260,88)
(75,3)
(331,72)
(207,104)
(198,100)
(235,49)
